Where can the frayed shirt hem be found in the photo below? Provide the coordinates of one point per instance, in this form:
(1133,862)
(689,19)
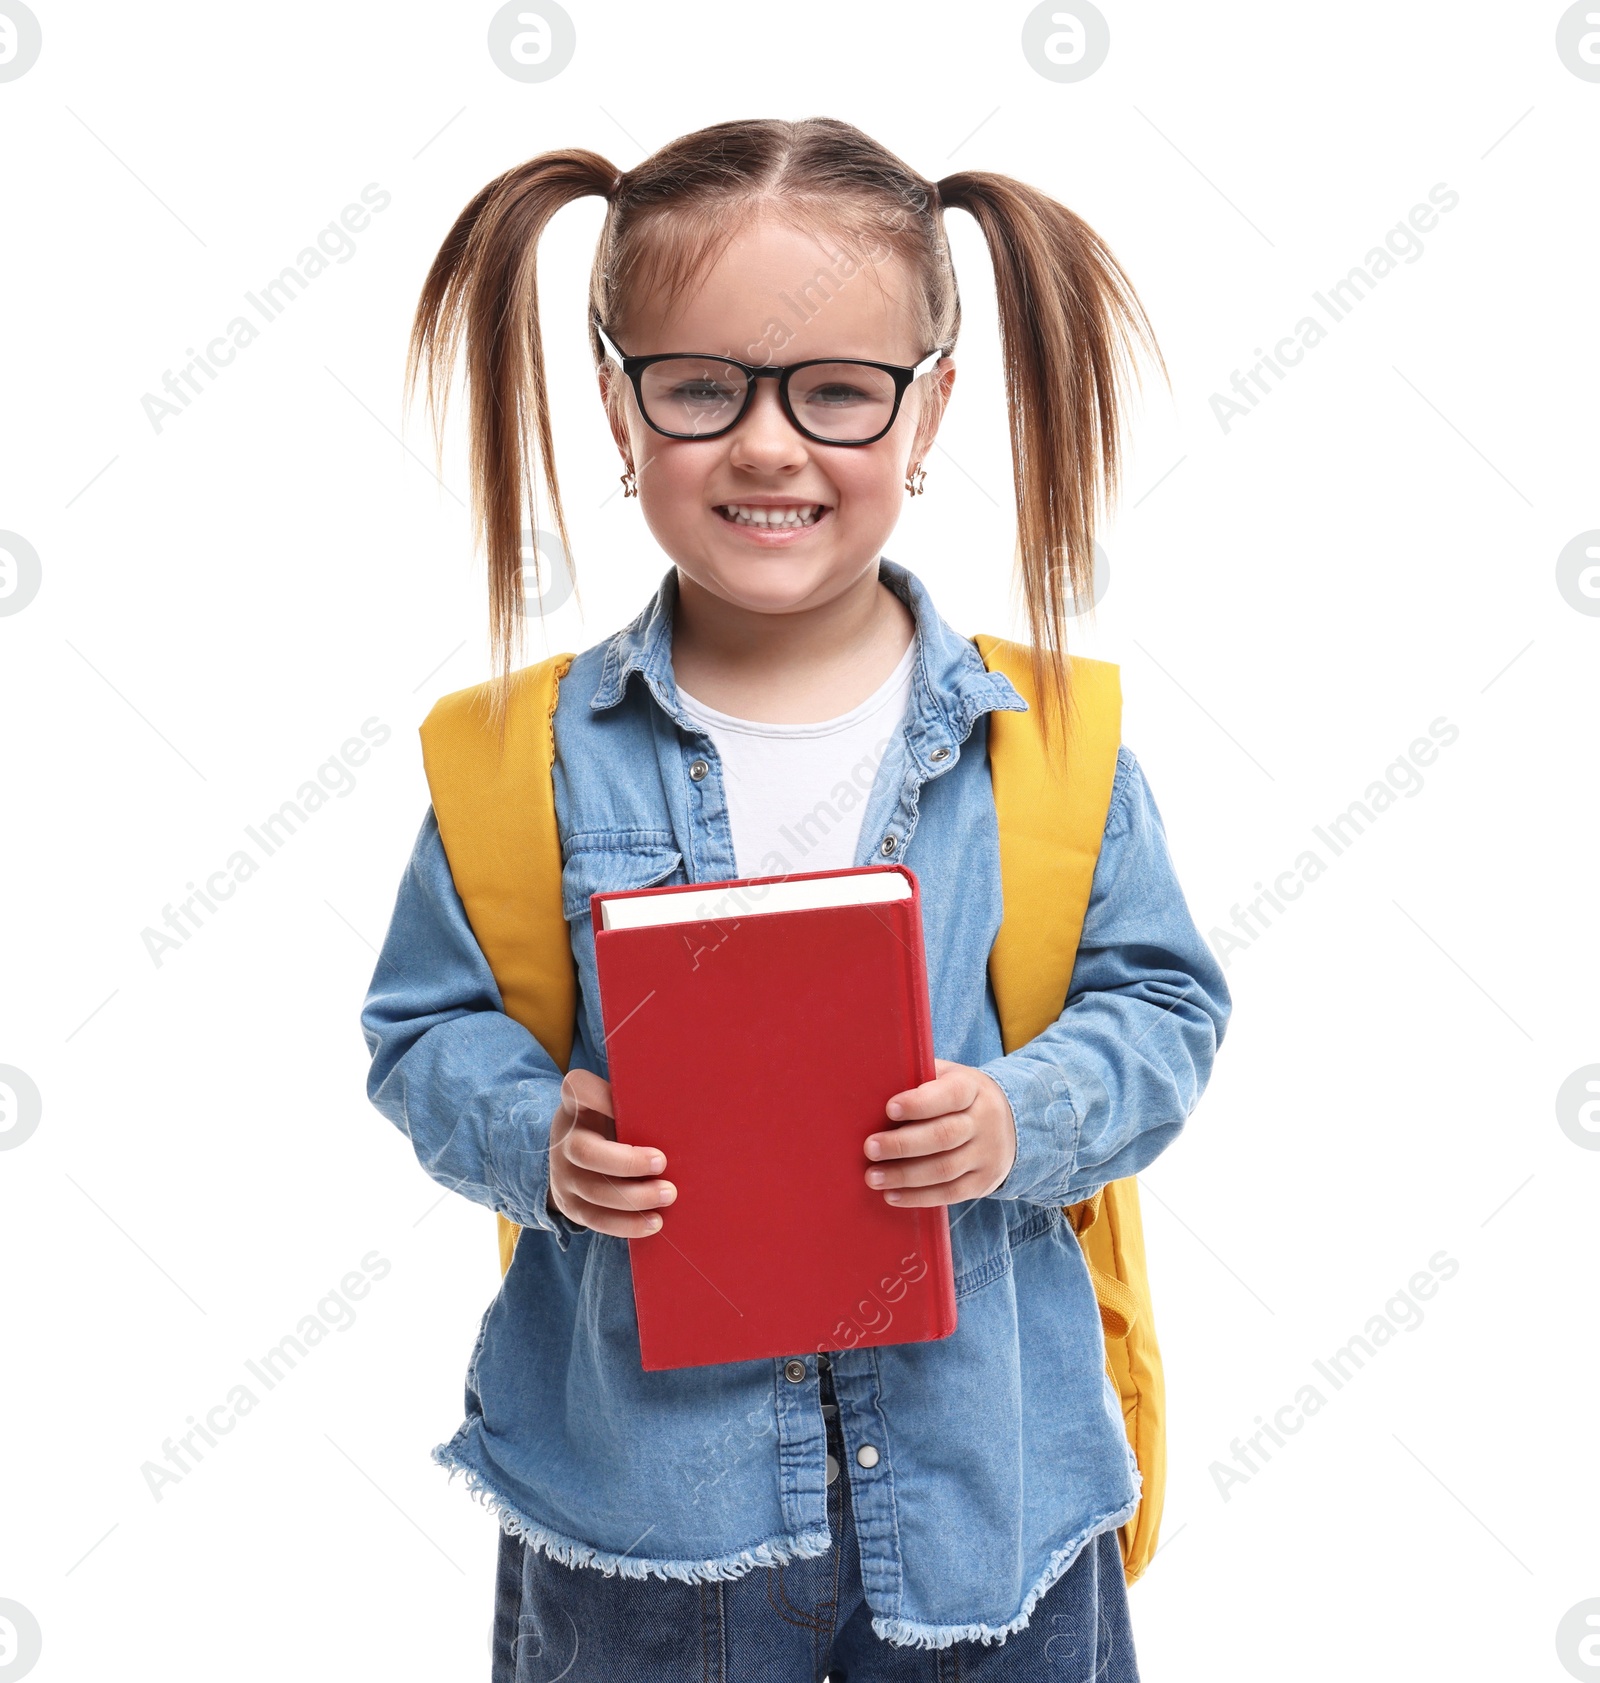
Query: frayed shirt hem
(908,1633)
(570,1552)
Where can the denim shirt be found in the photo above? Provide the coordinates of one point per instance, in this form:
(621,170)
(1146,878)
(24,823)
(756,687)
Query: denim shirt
(1000,1450)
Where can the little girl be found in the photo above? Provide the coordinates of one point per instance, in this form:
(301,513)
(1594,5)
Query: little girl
(772,315)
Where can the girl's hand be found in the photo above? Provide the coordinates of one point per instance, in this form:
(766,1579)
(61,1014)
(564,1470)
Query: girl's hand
(960,1141)
(595,1180)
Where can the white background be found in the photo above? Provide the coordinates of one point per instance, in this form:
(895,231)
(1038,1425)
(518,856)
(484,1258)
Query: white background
(1292,602)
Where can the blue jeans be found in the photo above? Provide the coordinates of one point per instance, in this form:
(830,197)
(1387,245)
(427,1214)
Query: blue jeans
(798,1623)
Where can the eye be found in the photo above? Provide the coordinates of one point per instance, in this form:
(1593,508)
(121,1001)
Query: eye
(701,391)
(836,387)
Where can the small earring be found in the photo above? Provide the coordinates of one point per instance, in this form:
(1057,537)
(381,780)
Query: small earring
(915,480)
(630,485)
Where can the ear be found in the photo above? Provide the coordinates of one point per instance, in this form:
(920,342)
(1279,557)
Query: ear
(614,402)
(935,396)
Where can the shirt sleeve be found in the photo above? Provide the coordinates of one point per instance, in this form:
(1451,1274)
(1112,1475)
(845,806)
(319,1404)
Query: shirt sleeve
(470,1087)
(1109,1085)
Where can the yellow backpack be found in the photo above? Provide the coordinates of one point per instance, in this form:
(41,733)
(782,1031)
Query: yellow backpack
(497,820)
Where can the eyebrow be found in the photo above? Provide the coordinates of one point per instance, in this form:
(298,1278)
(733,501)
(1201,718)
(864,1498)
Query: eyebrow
(732,356)
(818,356)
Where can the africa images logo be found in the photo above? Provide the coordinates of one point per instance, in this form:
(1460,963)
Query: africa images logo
(20,573)
(20,41)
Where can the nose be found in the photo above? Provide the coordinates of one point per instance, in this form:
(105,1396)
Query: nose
(764,440)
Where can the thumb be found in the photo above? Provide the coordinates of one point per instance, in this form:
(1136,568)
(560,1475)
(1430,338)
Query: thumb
(582,1089)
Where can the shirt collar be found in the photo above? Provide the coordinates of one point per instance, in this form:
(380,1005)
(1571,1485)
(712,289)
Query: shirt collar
(950,684)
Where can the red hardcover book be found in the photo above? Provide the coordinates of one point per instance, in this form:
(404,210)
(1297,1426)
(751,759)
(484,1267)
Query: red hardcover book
(755,1038)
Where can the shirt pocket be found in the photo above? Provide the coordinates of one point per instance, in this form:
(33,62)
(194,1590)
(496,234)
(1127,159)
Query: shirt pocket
(613,862)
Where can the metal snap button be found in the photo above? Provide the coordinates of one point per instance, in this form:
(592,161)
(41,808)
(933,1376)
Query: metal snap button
(889,844)
(833,1469)
(794,1371)
(940,754)
(867,1455)
(698,769)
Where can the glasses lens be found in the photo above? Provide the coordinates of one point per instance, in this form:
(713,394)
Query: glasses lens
(692,394)
(842,401)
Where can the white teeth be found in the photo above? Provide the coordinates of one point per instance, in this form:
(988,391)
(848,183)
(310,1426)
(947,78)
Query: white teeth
(745,516)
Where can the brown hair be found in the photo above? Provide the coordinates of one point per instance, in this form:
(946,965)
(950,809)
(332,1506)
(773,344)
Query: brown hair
(1070,322)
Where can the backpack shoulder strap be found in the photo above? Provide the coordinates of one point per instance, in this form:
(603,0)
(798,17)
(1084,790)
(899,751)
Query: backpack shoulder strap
(495,805)
(1051,817)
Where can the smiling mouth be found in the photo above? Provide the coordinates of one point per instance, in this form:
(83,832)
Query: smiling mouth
(772,519)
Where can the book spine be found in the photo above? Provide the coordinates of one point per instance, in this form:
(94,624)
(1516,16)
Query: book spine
(917,1004)
(934,1287)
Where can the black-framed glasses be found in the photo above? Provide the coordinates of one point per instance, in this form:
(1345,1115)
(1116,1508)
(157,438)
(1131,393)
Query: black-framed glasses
(833,400)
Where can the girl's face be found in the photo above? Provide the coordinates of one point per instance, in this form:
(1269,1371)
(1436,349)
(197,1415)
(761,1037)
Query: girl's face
(778,294)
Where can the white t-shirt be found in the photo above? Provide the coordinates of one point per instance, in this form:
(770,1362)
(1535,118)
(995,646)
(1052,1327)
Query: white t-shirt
(796,793)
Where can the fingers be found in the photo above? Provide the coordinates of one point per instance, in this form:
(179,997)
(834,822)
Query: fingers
(947,1148)
(934,1170)
(975,1183)
(619,1192)
(954,1088)
(920,1139)
(596,1179)
(588,1148)
(620,1224)
(607,1192)
(625,1206)
(589,1140)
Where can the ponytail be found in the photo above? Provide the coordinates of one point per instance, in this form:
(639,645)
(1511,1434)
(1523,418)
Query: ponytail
(484,285)
(1069,324)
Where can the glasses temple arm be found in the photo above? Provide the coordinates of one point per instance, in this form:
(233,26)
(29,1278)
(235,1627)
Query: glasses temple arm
(610,345)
